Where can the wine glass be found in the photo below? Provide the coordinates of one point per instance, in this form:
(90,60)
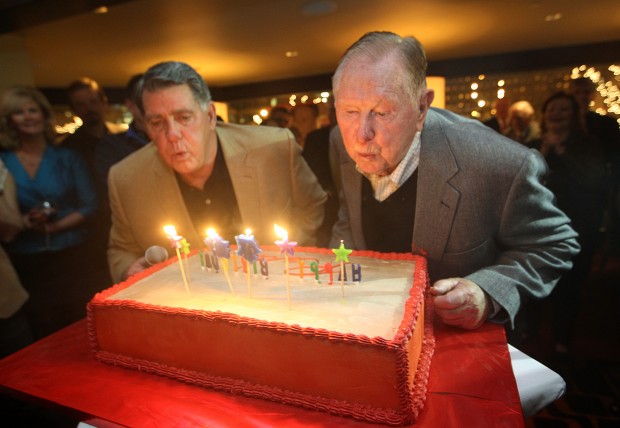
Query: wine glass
(44,213)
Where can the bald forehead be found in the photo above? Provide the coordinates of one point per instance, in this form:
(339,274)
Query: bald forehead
(370,71)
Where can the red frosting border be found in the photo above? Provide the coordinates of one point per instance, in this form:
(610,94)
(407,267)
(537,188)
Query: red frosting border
(412,399)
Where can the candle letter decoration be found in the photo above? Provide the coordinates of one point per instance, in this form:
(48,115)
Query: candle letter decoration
(286,248)
(249,250)
(221,252)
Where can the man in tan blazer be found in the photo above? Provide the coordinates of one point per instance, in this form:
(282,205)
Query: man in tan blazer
(200,173)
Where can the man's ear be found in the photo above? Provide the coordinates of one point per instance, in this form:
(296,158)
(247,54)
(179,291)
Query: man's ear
(424,104)
(426,100)
(212,114)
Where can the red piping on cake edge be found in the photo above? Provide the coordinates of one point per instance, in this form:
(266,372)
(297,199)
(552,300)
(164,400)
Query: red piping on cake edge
(248,389)
(413,398)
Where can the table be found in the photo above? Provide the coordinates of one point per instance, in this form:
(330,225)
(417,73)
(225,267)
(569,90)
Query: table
(471,380)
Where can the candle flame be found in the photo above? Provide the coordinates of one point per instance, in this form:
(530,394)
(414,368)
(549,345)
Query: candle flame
(211,233)
(248,231)
(170,230)
(282,233)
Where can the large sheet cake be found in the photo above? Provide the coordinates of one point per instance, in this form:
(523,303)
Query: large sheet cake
(365,355)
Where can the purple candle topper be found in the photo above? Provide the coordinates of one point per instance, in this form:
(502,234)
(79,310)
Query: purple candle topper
(248,247)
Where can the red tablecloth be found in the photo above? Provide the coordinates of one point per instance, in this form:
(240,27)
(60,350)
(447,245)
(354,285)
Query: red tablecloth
(471,384)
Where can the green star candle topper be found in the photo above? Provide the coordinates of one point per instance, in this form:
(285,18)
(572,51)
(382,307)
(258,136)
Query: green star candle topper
(342,256)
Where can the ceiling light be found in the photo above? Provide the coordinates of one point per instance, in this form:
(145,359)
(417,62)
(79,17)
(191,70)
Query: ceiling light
(101,10)
(553,17)
(291,54)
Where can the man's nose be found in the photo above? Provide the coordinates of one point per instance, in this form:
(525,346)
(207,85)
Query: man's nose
(172,131)
(365,132)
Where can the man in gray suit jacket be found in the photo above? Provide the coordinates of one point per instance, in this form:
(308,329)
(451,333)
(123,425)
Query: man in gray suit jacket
(196,175)
(422,179)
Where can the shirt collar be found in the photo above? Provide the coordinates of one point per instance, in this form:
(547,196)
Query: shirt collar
(384,186)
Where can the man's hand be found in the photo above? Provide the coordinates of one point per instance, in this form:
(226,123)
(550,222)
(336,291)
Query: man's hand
(137,266)
(460,302)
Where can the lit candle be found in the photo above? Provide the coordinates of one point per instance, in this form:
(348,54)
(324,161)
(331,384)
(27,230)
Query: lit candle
(249,250)
(286,248)
(221,251)
(342,256)
(175,242)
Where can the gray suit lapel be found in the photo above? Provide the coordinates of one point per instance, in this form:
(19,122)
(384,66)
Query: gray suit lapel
(437,199)
(354,200)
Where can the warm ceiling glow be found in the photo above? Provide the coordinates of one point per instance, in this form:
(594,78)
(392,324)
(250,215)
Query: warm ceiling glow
(291,54)
(553,17)
(101,10)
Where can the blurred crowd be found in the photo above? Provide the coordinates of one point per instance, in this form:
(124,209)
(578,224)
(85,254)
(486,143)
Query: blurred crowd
(55,212)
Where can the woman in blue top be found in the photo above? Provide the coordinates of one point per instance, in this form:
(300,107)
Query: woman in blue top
(56,197)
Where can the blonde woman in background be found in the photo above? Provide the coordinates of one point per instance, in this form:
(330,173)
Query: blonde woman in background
(56,197)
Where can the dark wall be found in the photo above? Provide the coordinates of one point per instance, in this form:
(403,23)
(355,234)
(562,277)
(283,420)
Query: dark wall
(510,62)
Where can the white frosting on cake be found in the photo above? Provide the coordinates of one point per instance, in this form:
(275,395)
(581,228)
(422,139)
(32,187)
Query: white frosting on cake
(373,307)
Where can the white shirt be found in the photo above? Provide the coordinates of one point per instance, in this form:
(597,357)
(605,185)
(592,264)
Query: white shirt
(384,186)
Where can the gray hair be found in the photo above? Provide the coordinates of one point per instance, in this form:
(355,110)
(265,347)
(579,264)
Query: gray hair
(173,73)
(378,45)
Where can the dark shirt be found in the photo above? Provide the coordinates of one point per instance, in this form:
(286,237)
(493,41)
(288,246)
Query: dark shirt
(84,144)
(388,225)
(114,148)
(216,204)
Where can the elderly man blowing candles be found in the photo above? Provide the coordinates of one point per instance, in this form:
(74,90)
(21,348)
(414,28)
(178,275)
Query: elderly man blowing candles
(425,179)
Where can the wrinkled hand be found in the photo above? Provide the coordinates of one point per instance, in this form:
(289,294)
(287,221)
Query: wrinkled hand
(137,266)
(460,302)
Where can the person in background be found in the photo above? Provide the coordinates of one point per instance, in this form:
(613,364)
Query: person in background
(522,126)
(578,181)
(321,160)
(56,197)
(201,173)
(14,327)
(279,116)
(499,122)
(304,121)
(89,102)
(115,147)
(607,130)
(421,179)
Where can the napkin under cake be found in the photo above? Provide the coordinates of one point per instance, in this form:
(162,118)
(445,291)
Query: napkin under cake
(365,356)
